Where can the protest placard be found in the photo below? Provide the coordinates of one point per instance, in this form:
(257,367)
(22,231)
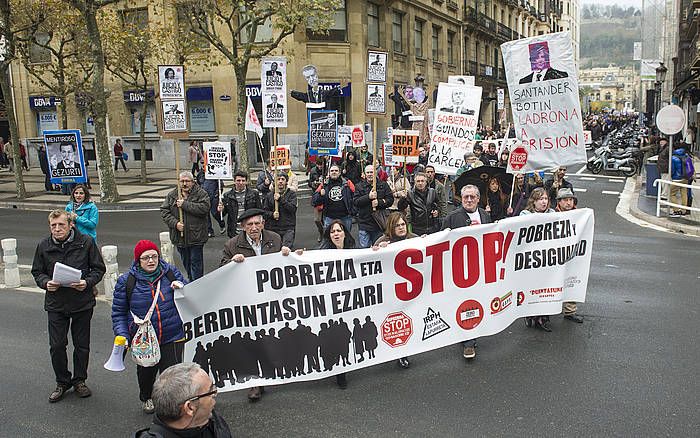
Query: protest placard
(456,119)
(460,80)
(388,155)
(171,82)
(174,117)
(544,99)
(64,152)
(217,160)
(274,110)
(323,132)
(280,157)
(368,307)
(587,139)
(376,66)
(405,146)
(273,74)
(376,99)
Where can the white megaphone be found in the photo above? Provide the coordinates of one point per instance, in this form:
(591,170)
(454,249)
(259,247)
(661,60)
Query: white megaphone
(116,360)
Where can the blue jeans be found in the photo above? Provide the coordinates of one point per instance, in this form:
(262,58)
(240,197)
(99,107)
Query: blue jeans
(193,260)
(347,221)
(367,238)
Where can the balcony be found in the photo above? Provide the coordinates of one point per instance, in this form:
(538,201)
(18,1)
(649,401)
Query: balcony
(452,5)
(473,68)
(505,32)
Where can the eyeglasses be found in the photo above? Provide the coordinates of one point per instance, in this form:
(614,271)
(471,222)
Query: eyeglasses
(400,224)
(149,258)
(206,394)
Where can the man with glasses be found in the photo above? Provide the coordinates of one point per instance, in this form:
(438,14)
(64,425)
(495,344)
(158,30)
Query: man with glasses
(335,196)
(185,213)
(184,398)
(467,215)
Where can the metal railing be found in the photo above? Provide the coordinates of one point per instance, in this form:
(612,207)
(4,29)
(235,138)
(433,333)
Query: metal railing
(659,202)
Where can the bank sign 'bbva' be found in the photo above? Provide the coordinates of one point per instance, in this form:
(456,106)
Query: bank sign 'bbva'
(543,87)
(275,319)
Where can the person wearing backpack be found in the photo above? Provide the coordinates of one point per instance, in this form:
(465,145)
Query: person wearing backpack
(148,287)
(683,172)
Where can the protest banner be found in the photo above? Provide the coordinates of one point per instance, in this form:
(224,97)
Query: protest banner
(544,99)
(217,160)
(405,146)
(64,152)
(376,99)
(281,157)
(460,80)
(171,82)
(174,118)
(306,312)
(454,126)
(273,74)
(376,66)
(274,110)
(323,132)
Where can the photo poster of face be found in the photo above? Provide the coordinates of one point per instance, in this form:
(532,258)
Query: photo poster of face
(345,138)
(376,99)
(64,152)
(323,132)
(376,66)
(461,80)
(174,115)
(544,100)
(171,82)
(273,74)
(274,110)
(217,160)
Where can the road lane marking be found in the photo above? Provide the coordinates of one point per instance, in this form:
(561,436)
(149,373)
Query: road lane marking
(610,192)
(580,190)
(587,178)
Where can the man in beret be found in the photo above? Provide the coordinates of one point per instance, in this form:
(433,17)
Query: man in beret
(566,201)
(283,219)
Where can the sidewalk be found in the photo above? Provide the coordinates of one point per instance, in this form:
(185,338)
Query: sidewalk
(133,195)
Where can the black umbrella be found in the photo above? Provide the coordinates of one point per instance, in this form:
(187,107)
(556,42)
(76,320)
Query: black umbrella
(480,176)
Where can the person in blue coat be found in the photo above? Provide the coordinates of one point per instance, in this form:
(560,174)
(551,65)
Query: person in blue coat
(83,211)
(134,293)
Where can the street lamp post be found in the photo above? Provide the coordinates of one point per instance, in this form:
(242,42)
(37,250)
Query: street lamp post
(660,78)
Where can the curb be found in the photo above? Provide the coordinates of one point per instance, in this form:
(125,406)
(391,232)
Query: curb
(658,221)
(103,208)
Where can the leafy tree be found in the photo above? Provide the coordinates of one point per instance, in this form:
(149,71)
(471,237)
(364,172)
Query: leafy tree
(231,27)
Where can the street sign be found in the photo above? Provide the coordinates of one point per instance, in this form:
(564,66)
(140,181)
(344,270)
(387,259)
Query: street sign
(397,328)
(670,119)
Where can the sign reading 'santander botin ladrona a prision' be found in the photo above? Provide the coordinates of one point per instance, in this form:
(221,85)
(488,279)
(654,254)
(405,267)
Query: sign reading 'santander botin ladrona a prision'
(544,98)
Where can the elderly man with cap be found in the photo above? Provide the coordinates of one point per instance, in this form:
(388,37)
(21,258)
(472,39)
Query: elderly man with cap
(566,201)
(283,219)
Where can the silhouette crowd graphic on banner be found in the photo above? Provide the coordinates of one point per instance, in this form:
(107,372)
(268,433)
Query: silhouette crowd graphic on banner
(287,353)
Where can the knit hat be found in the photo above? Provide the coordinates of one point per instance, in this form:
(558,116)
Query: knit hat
(143,246)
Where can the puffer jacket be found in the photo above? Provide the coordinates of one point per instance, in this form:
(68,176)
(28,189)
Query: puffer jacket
(165,317)
(87,218)
(677,164)
(195,210)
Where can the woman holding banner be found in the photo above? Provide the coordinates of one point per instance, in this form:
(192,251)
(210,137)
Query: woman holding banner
(538,203)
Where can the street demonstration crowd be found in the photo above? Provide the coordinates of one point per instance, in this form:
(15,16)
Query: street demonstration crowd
(386,205)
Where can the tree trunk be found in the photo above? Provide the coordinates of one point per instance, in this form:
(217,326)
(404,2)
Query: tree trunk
(14,132)
(242,104)
(142,137)
(108,186)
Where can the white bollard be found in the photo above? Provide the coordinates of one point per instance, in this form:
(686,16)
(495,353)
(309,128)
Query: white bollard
(9,249)
(109,255)
(166,247)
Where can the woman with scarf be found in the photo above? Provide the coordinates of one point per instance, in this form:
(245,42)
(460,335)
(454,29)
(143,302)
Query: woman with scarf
(83,211)
(496,200)
(134,294)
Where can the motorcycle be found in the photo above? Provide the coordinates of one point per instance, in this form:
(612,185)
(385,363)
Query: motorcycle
(604,159)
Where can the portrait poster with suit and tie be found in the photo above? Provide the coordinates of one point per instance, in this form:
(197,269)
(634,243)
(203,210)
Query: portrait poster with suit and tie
(323,132)
(376,99)
(273,89)
(174,115)
(274,110)
(64,152)
(543,87)
(454,126)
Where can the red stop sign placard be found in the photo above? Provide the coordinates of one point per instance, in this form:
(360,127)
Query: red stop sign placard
(397,328)
(469,314)
(358,137)
(518,158)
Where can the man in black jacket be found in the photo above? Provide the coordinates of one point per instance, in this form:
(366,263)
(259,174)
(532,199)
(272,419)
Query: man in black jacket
(467,215)
(284,220)
(68,305)
(423,203)
(335,196)
(237,200)
(369,202)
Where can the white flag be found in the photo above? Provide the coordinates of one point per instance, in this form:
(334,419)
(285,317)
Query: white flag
(251,120)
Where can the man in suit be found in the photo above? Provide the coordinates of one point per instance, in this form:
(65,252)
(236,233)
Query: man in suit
(376,60)
(457,104)
(539,63)
(330,121)
(375,93)
(468,214)
(274,104)
(273,70)
(67,156)
(314,93)
(173,109)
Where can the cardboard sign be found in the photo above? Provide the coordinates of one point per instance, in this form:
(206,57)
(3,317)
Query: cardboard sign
(217,160)
(405,146)
(281,158)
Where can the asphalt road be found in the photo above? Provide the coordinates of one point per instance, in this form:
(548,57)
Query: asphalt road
(629,370)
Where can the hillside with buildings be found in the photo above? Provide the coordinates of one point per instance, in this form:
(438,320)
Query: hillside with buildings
(608,34)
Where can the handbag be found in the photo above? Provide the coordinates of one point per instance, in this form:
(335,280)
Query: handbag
(145,349)
(125,156)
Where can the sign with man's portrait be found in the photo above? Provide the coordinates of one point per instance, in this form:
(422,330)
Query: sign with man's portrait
(171,81)
(461,80)
(64,152)
(376,66)
(274,110)
(376,99)
(323,132)
(273,74)
(174,116)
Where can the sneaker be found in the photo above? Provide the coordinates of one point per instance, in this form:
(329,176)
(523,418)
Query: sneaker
(82,390)
(469,352)
(404,363)
(148,407)
(58,393)
(574,317)
(674,214)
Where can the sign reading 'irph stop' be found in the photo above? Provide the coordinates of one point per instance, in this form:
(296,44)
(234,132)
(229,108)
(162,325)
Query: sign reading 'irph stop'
(397,328)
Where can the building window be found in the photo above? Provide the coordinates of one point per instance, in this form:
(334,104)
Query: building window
(46,121)
(397,32)
(151,120)
(418,38)
(436,43)
(337,31)
(372,25)
(450,48)
(184,29)
(135,18)
(200,102)
(38,52)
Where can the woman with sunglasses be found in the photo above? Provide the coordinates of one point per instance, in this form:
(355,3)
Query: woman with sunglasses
(150,280)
